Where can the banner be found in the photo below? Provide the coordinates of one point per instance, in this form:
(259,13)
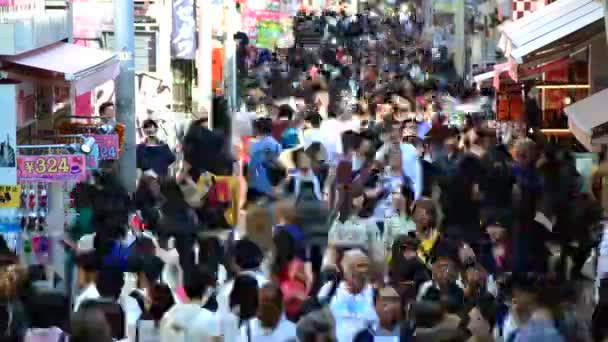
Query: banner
(10,196)
(268,33)
(9,102)
(183,36)
(108,146)
(51,168)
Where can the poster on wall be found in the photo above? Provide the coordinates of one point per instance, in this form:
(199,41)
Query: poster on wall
(9,101)
(183,35)
(268,33)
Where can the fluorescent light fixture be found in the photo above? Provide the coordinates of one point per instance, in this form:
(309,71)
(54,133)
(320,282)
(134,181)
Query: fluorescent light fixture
(87,145)
(564,86)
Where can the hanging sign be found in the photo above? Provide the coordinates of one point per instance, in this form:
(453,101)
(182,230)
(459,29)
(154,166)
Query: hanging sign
(183,37)
(10,196)
(108,146)
(51,168)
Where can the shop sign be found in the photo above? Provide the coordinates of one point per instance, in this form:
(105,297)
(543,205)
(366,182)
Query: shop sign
(51,168)
(183,37)
(108,146)
(10,196)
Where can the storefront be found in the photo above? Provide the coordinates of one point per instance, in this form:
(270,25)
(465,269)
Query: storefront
(46,150)
(549,58)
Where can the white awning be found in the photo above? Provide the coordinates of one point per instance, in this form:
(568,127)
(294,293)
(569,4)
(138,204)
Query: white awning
(85,67)
(548,25)
(587,114)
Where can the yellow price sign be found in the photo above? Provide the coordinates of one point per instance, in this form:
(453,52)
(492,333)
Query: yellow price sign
(10,196)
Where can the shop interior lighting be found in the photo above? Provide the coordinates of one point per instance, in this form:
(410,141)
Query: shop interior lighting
(87,145)
(564,86)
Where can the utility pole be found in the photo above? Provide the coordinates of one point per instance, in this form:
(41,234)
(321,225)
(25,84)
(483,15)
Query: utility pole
(461,46)
(204,62)
(124,36)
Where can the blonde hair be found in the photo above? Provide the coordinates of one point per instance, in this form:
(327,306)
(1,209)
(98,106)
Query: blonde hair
(285,211)
(258,226)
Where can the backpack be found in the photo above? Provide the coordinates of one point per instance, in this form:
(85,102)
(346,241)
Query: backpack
(215,204)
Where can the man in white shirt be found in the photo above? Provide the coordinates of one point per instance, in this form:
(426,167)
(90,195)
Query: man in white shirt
(313,133)
(353,303)
(88,267)
(270,325)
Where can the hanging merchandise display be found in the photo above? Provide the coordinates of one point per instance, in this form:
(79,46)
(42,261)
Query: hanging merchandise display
(10,196)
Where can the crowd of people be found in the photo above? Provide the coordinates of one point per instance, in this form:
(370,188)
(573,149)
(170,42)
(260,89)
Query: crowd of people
(365,216)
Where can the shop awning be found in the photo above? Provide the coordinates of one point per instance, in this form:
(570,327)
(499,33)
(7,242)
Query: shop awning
(551,29)
(586,115)
(84,67)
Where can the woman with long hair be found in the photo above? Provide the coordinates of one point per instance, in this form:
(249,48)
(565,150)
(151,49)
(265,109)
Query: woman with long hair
(178,220)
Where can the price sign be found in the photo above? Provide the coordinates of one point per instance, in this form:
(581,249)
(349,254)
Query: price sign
(10,196)
(108,146)
(51,168)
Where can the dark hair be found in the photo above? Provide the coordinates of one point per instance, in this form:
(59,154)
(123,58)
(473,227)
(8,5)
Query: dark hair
(196,282)
(315,119)
(149,123)
(110,283)
(162,300)
(284,249)
(246,253)
(104,106)
(285,111)
(89,261)
(175,203)
(263,126)
(245,295)
(486,304)
(350,141)
(89,324)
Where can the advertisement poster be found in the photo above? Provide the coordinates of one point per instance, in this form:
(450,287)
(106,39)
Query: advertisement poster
(10,196)
(51,168)
(268,33)
(183,36)
(108,146)
(8,133)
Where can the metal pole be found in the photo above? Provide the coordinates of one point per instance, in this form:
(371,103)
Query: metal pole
(205,49)
(124,35)
(460,53)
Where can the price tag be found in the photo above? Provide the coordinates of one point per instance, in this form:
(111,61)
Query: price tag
(51,168)
(9,196)
(108,146)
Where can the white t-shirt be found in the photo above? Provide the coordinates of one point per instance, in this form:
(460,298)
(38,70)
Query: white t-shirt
(89,293)
(225,290)
(352,313)
(285,331)
(189,322)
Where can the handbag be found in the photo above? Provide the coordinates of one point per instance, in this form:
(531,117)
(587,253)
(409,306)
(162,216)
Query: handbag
(214,208)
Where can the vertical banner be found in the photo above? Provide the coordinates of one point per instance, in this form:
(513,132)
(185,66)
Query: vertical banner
(8,133)
(183,37)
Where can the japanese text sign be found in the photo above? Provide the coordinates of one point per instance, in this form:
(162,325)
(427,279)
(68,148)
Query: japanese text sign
(10,196)
(183,37)
(51,168)
(108,146)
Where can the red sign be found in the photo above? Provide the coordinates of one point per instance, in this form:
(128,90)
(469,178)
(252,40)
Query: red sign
(108,146)
(51,168)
